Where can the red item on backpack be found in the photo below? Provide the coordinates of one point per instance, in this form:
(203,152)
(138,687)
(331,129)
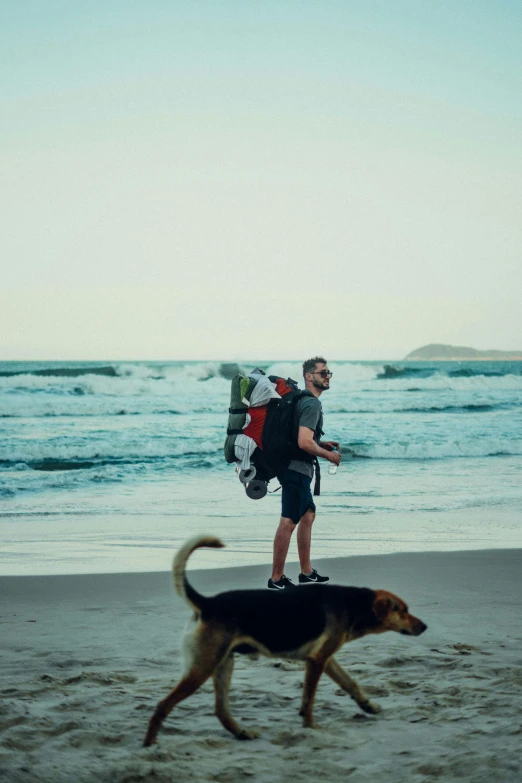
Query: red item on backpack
(254,429)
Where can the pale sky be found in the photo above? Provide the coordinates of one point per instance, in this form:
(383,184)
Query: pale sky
(219,179)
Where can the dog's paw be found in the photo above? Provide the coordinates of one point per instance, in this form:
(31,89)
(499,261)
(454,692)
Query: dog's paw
(370,707)
(247,734)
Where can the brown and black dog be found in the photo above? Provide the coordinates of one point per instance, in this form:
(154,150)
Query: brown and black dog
(308,623)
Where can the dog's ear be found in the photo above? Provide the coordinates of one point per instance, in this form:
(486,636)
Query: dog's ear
(382,604)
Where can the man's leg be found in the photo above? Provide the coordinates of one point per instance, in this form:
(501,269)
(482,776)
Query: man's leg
(281,544)
(304,540)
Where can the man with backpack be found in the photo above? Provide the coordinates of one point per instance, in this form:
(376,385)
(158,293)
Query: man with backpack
(298,507)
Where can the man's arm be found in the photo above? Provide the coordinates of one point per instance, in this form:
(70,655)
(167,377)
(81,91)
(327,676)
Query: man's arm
(305,441)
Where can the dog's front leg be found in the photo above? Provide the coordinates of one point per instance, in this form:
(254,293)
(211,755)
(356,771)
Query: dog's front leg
(338,675)
(222,677)
(314,669)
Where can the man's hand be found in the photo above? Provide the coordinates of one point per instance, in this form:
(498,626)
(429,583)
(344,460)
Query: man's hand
(333,456)
(330,445)
(334,450)
(305,441)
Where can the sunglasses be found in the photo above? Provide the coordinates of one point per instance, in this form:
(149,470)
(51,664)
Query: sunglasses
(323,373)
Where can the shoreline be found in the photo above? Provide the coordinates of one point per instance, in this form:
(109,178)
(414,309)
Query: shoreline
(238,574)
(141,543)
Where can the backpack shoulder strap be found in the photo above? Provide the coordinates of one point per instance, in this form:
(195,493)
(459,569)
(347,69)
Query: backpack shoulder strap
(319,432)
(303,393)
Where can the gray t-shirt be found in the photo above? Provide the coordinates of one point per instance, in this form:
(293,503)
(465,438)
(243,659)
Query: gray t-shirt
(310,414)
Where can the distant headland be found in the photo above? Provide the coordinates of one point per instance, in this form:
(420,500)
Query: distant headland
(440,352)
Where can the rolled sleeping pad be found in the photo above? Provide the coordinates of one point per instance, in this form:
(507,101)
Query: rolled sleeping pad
(241,387)
(247,475)
(256,489)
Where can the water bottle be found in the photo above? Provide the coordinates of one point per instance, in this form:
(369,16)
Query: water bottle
(332,467)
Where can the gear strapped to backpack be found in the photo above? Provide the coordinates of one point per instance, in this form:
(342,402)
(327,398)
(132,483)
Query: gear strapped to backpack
(264,446)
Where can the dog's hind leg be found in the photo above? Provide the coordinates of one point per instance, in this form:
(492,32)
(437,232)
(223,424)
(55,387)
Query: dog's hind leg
(222,677)
(314,669)
(338,675)
(185,688)
(207,648)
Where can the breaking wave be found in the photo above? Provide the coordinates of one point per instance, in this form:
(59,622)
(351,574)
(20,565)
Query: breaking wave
(200,370)
(60,372)
(390,371)
(471,408)
(478,369)
(451,449)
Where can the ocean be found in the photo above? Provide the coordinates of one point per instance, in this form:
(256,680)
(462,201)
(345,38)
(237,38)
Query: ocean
(108,466)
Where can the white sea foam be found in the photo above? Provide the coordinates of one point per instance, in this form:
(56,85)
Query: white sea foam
(440,382)
(197,371)
(345,373)
(450,448)
(99,449)
(178,385)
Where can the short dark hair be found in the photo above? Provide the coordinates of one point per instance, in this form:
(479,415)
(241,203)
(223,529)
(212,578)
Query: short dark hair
(310,364)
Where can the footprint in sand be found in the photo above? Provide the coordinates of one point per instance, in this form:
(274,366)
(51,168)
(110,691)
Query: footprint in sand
(402,685)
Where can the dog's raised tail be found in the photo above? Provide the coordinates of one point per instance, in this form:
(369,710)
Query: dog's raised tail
(181,583)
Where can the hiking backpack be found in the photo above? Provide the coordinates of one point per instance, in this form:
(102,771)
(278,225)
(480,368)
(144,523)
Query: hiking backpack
(273,428)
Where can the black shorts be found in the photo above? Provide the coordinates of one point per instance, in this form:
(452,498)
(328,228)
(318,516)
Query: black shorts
(296,496)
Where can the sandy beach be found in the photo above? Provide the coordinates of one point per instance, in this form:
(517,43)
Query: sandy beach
(86,658)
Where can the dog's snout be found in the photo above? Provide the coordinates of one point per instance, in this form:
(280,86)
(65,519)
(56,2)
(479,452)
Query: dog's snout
(415,628)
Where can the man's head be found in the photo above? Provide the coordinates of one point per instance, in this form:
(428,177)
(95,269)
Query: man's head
(316,374)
